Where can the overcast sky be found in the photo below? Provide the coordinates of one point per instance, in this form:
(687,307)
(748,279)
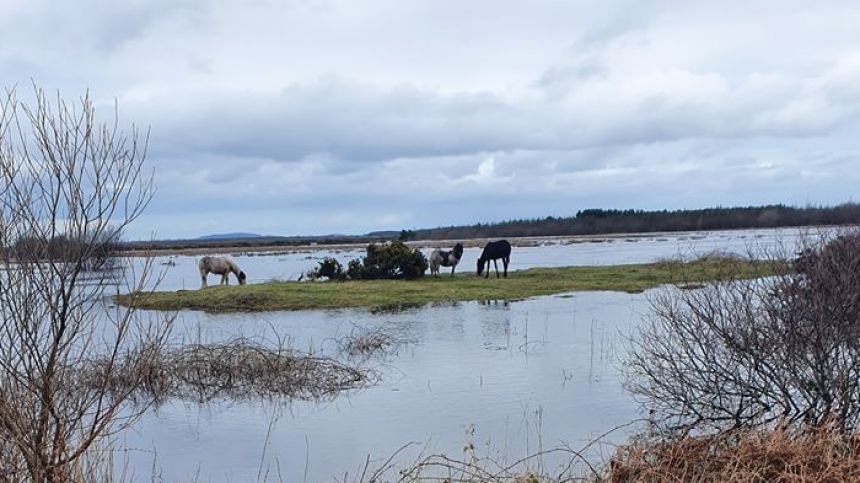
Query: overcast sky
(318,116)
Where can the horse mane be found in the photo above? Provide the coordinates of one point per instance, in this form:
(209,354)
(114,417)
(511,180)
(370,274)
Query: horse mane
(458,251)
(236,270)
(233,267)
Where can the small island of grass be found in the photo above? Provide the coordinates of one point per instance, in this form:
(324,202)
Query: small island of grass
(466,286)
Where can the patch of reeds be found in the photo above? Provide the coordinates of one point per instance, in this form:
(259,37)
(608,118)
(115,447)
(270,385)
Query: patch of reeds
(236,369)
(531,469)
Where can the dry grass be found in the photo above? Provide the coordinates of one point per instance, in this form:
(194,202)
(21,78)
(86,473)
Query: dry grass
(237,369)
(779,455)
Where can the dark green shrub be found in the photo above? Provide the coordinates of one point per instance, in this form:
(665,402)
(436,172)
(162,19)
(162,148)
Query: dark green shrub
(330,268)
(392,260)
(354,268)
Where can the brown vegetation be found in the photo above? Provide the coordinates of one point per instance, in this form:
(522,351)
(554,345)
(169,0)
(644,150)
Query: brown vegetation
(235,369)
(814,455)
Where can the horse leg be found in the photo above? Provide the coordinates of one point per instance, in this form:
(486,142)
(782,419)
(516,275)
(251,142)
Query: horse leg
(506,261)
(452,269)
(225,279)
(202,280)
(496,264)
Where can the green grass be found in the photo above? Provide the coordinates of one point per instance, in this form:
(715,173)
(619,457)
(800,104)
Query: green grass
(391,293)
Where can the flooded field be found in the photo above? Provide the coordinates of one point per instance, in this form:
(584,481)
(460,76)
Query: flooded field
(286,264)
(508,378)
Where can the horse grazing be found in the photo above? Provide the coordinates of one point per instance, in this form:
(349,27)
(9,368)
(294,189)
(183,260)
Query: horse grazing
(445,259)
(220,266)
(493,251)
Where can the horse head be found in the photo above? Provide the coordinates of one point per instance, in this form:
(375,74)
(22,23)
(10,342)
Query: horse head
(242,277)
(480,266)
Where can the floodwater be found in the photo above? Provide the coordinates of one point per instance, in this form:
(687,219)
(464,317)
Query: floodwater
(181,271)
(508,378)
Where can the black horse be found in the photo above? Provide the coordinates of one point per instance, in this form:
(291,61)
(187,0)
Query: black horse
(493,251)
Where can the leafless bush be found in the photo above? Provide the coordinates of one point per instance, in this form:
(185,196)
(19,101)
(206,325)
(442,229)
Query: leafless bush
(367,341)
(98,464)
(64,176)
(744,353)
(235,369)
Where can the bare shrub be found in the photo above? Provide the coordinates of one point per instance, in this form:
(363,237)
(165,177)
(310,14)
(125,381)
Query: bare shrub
(744,353)
(235,369)
(64,177)
(367,341)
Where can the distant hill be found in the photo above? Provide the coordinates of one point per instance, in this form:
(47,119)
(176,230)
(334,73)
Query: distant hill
(229,236)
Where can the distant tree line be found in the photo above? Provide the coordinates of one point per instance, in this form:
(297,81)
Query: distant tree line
(268,241)
(584,222)
(94,252)
(599,221)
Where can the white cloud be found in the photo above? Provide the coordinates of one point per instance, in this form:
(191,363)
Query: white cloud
(334,111)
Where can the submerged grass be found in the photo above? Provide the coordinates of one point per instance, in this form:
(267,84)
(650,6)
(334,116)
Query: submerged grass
(391,293)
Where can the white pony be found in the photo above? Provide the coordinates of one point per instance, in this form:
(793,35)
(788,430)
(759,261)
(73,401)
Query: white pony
(220,266)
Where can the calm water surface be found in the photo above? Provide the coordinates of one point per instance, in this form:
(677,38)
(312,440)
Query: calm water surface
(506,377)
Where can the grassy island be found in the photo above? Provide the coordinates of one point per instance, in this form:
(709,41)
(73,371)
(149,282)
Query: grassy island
(465,286)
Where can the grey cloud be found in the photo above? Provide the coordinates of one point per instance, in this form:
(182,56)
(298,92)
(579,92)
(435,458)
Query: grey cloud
(438,112)
(352,122)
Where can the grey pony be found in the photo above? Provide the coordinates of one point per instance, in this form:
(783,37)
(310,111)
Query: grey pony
(219,266)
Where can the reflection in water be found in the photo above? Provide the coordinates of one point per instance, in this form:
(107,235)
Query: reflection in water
(488,366)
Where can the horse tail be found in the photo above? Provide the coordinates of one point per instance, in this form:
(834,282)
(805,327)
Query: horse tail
(434,261)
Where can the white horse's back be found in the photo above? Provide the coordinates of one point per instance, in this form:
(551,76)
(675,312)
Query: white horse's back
(219,266)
